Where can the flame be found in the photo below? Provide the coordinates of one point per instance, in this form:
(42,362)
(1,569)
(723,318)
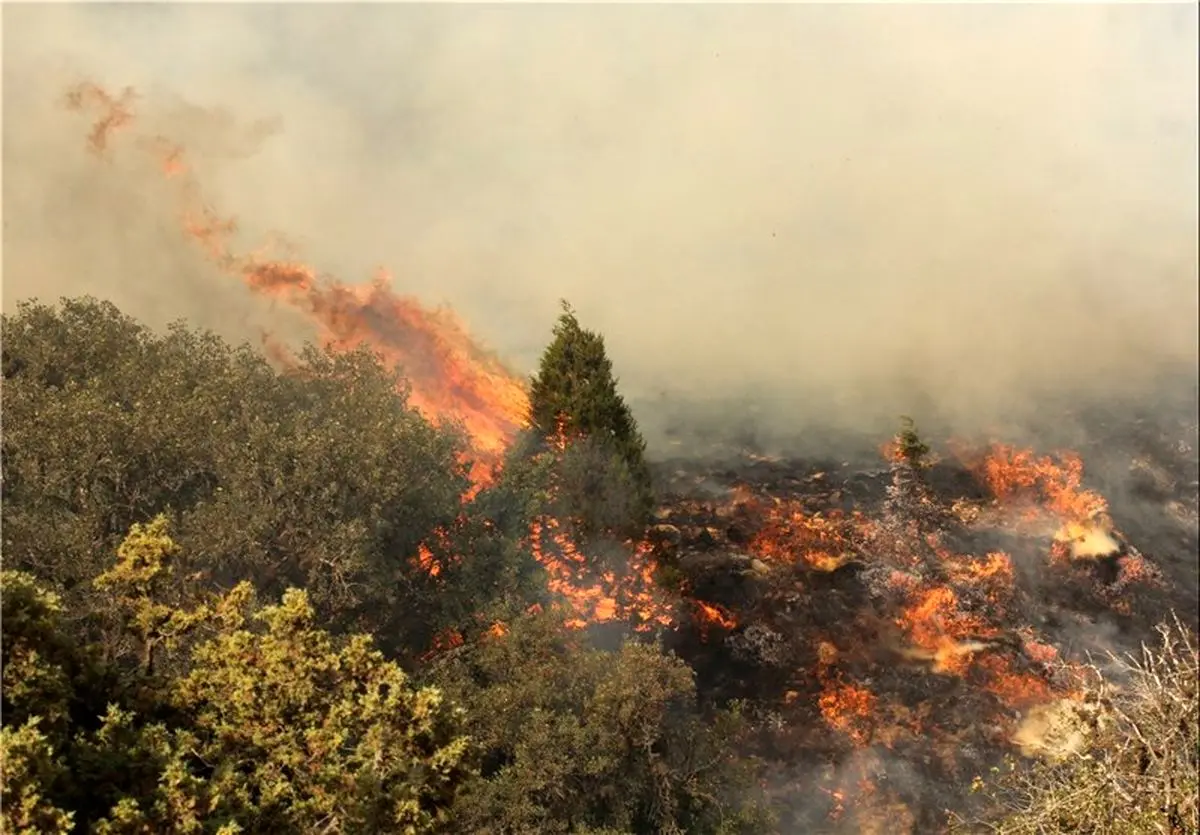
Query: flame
(596,595)
(452,379)
(938,630)
(712,614)
(442,642)
(787,533)
(1087,540)
(848,708)
(116,112)
(1013,474)
(427,561)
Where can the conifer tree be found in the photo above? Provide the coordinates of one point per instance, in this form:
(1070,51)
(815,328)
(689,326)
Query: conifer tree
(575,392)
(908,497)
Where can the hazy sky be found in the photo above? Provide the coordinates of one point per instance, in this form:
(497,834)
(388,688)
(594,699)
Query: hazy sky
(844,206)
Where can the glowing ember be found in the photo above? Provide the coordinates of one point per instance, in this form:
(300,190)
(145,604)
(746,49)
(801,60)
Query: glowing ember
(443,642)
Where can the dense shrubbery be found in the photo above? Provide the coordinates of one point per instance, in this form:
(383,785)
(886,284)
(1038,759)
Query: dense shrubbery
(156,487)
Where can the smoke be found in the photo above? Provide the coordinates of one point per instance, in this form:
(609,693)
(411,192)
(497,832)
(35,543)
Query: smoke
(834,213)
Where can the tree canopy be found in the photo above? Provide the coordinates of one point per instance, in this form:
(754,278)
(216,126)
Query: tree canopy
(574,394)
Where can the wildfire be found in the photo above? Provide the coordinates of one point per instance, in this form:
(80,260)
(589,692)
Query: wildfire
(849,709)
(953,610)
(598,595)
(939,630)
(1019,475)
(787,534)
(711,614)
(452,379)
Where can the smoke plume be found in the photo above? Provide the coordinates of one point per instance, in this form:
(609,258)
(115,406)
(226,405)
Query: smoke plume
(835,213)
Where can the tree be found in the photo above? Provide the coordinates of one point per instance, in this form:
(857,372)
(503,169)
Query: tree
(39,690)
(321,477)
(270,725)
(574,393)
(574,739)
(908,499)
(910,447)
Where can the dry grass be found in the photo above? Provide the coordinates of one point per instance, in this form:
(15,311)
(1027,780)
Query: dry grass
(1123,761)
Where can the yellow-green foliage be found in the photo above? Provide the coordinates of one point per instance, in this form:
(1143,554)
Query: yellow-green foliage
(28,765)
(274,727)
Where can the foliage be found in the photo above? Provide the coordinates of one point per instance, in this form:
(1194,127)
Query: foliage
(39,663)
(28,769)
(1135,764)
(574,394)
(321,477)
(275,726)
(909,445)
(575,739)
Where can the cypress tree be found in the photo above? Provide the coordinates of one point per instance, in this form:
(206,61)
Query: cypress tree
(575,391)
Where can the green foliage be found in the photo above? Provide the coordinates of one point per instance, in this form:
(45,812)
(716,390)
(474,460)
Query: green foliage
(152,694)
(28,769)
(295,733)
(575,739)
(138,583)
(321,478)
(38,657)
(274,727)
(912,449)
(575,392)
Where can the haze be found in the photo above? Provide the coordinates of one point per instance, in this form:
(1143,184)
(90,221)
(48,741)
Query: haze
(845,212)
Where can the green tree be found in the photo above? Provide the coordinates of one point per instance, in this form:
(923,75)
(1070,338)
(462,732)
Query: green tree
(270,725)
(39,668)
(29,769)
(574,393)
(909,446)
(321,477)
(576,739)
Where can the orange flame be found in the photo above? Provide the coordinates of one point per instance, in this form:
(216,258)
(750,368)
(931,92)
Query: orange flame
(939,630)
(711,614)
(788,534)
(451,377)
(1013,474)
(848,708)
(598,596)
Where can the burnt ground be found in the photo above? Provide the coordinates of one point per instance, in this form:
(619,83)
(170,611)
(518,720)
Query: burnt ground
(859,734)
